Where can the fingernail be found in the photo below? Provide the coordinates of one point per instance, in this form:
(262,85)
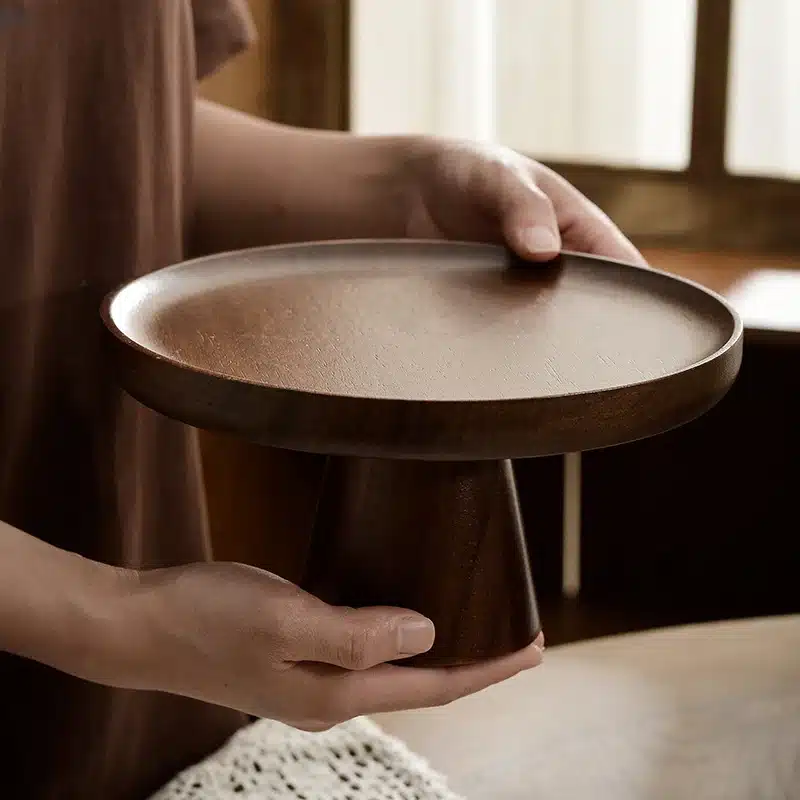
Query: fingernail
(541,240)
(415,636)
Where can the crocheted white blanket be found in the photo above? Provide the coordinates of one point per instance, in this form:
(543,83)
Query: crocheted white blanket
(270,761)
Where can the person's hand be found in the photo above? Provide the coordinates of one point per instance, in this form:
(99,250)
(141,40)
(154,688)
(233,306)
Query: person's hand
(240,637)
(487,193)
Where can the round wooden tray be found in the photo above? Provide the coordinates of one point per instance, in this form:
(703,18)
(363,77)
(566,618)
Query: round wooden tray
(421,369)
(423,349)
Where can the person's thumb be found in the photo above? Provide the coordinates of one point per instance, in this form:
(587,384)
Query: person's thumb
(530,224)
(360,638)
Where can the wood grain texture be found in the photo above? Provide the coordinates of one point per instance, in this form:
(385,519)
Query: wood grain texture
(458,551)
(423,350)
(261,503)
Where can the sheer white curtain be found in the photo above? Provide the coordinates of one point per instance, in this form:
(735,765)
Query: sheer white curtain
(764,118)
(424,66)
(602,81)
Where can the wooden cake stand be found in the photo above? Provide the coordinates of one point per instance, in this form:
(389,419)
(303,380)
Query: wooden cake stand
(420,369)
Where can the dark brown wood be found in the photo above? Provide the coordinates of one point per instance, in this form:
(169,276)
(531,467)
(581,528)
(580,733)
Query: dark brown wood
(566,620)
(540,487)
(309,63)
(710,99)
(442,538)
(261,503)
(258,497)
(313,348)
(702,521)
(436,353)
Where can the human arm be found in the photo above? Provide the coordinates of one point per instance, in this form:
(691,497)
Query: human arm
(258,183)
(57,607)
(226,634)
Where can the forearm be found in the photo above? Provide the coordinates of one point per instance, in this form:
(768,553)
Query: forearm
(58,608)
(258,183)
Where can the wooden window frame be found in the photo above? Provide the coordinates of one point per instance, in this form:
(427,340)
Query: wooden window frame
(703,207)
(310,63)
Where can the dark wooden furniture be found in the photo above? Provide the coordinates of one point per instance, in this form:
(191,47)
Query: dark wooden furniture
(670,534)
(693,539)
(420,369)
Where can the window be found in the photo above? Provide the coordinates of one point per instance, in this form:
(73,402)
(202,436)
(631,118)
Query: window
(603,81)
(680,117)
(764,109)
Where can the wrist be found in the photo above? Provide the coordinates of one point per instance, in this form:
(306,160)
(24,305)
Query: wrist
(62,610)
(95,635)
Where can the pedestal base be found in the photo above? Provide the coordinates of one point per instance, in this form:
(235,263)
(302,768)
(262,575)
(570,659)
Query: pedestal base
(442,538)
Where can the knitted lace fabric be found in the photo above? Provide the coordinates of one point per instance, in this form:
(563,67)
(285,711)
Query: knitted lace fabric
(270,761)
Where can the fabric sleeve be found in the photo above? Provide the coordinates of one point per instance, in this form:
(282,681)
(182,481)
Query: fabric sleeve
(222,29)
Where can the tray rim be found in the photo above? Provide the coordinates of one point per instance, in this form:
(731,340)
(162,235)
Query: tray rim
(113,329)
(423,429)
